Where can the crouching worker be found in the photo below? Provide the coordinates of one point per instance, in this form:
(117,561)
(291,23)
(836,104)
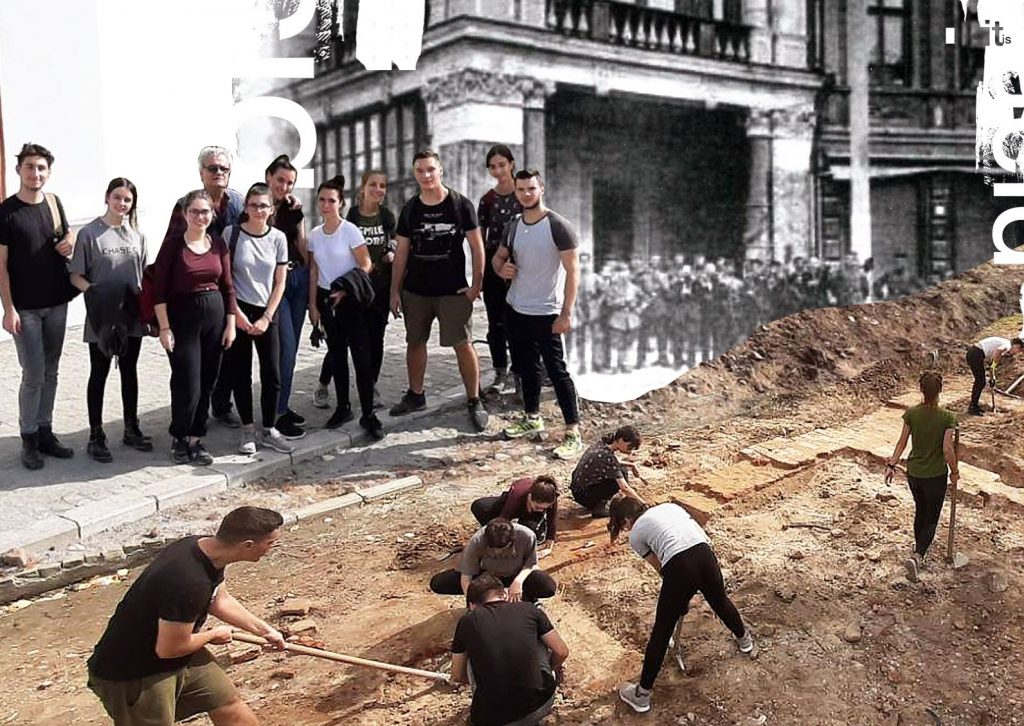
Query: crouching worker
(677,548)
(507,551)
(511,655)
(532,503)
(151,665)
(987,352)
(599,475)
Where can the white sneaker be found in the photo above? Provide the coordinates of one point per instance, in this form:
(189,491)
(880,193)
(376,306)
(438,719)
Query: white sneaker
(745,643)
(631,694)
(322,396)
(247,442)
(912,565)
(272,439)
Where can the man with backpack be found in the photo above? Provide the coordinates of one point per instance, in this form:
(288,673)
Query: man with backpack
(428,281)
(35,245)
(539,256)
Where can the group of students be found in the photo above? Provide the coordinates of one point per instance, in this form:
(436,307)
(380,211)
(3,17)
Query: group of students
(236,272)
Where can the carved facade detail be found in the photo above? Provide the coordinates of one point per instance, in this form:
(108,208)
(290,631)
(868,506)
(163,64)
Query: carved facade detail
(473,85)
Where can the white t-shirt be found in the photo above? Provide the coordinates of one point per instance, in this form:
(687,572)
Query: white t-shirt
(333,252)
(254,263)
(991,345)
(666,530)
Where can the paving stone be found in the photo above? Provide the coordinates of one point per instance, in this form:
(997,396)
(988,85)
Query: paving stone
(49,569)
(390,487)
(114,555)
(72,561)
(109,512)
(184,488)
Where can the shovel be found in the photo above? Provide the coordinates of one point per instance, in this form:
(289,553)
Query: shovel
(340,658)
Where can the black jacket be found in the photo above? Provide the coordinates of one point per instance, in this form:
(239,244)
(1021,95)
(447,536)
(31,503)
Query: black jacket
(358,287)
(110,307)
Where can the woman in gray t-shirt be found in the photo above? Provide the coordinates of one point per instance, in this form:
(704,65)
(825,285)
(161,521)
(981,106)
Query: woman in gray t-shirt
(107,266)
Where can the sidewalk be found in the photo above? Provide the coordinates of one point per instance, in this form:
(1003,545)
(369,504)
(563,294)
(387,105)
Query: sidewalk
(68,499)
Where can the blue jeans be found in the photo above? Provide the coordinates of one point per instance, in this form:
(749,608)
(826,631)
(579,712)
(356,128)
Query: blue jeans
(292,315)
(39,347)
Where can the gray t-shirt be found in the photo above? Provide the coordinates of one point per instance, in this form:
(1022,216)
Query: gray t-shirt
(105,254)
(666,530)
(478,557)
(539,285)
(254,262)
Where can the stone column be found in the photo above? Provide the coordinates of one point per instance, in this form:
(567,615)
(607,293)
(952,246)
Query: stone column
(792,188)
(757,234)
(535,95)
(860,128)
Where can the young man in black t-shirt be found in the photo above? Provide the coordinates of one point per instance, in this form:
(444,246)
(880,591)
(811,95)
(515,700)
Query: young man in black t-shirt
(428,281)
(513,653)
(35,289)
(151,664)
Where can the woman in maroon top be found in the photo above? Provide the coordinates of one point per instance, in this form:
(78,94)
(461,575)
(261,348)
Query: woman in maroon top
(531,502)
(194,300)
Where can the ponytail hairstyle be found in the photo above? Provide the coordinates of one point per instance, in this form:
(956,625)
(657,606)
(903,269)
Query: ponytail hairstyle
(623,509)
(281,162)
(544,489)
(337,183)
(365,178)
(627,433)
(119,182)
(931,384)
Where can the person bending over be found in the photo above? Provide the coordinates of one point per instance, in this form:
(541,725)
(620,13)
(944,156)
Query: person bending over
(531,502)
(599,475)
(506,550)
(510,653)
(987,351)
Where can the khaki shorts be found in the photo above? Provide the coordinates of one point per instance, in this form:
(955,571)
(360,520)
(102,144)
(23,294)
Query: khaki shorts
(453,312)
(161,699)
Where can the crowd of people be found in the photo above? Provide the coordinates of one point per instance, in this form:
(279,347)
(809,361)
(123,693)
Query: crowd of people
(236,272)
(681,311)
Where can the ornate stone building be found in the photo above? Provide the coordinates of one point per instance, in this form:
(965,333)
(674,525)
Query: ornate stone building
(718,127)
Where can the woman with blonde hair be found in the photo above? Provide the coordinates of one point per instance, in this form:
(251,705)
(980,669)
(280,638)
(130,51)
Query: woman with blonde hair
(933,459)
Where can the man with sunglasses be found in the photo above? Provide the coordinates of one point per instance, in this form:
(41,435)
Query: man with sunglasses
(539,255)
(214,172)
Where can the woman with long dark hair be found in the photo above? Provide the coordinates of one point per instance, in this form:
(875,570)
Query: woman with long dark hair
(678,549)
(932,461)
(194,303)
(107,266)
(340,291)
(259,259)
(288,217)
(599,475)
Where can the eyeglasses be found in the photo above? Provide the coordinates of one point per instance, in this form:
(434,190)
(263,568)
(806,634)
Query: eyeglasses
(200,212)
(259,207)
(217,168)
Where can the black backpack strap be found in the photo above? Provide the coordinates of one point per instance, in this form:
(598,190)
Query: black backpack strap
(236,230)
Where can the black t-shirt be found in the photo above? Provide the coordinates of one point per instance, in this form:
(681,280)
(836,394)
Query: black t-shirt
(510,663)
(437,262)
(177,586)
(494,213)
(378,231)
(39,274)
(289,221)
(598,464)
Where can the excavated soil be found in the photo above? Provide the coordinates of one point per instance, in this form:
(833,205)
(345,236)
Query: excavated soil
(812,557)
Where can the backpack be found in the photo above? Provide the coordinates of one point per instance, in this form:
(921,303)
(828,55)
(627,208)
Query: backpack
(146,297)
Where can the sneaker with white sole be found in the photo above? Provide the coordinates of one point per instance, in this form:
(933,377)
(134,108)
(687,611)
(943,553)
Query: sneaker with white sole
(526,426)
(635,697)
(745,643)
(322,396)
(571,446)
(247,442)
(499,384)
(913,565)
(272,439)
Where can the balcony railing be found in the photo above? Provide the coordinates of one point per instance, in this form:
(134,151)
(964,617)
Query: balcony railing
(629,25)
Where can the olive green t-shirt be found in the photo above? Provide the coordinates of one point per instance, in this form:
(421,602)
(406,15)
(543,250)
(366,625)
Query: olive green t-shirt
(928,426)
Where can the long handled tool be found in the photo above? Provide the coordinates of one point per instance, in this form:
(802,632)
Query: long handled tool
(340,658)
(952,503)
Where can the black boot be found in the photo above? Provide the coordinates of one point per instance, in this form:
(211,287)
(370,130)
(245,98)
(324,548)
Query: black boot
(30,451)
(49,445)
(97,446)
(134,437)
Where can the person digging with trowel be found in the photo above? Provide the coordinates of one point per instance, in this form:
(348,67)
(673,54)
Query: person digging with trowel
(676,546)
(599,475)
(932,431)
(988,351)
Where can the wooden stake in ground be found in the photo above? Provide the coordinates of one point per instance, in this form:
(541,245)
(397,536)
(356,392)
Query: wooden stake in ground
(952,503)
(340,658)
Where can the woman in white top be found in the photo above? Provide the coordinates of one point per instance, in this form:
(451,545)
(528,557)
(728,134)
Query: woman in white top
(339,266)
(987,351)
(671,542)
(259,266)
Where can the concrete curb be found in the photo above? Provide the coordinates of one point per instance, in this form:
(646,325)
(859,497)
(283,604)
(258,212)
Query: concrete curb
(82,566)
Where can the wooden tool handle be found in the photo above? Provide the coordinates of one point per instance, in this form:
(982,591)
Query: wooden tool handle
(339,657)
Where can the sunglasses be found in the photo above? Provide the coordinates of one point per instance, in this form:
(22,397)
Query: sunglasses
(216,168)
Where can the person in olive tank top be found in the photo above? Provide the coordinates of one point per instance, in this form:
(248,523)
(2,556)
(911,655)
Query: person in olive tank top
(932,430)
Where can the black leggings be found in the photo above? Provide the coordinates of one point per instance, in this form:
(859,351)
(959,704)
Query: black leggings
(928,497)
(237,368)
(538,584)
(976,361)
(596,493)
(346,330)
(376,329)
(495,290)
(689,572)
(99,368)
(531,342)
(198,325)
